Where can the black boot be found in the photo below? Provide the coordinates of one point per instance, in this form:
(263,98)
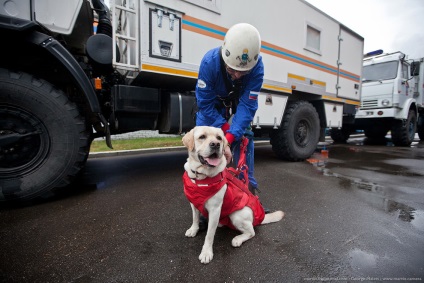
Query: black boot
(253,190)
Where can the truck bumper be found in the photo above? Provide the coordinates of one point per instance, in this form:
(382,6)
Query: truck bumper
(380,113)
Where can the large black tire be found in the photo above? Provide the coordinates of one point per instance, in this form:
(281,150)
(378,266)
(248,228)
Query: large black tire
(44,141)
(403,133)
(298,136)
(340,135)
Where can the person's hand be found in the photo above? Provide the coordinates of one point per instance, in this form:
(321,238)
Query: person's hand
(228,155)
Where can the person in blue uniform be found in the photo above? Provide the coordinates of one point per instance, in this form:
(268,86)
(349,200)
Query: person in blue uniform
(229,81)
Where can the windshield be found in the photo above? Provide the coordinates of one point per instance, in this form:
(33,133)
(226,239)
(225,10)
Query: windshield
(380,71)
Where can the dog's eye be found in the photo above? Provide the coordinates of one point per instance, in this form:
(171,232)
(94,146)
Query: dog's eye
(202,137)
(219,138)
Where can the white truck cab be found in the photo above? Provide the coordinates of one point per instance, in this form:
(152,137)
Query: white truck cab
(392,97)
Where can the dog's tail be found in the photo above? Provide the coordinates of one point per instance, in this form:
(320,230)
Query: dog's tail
(273,217)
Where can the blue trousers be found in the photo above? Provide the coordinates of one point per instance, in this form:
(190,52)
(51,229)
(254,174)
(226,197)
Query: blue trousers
(250,156)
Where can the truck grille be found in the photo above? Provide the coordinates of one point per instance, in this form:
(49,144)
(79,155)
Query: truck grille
(369,103)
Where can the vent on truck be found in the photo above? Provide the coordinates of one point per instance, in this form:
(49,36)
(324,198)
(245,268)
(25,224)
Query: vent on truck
(366,104)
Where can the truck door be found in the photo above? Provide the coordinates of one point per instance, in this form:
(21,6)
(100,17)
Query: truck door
(402,83)
(349,68)
(405,87)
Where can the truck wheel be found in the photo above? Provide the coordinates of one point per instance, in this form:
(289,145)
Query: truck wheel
(403,134)
(43,139)
(298,136)
(340,135)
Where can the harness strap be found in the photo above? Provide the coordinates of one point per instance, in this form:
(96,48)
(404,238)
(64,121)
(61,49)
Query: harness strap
(234,174)
(243,149)
(230,102)
(228,84)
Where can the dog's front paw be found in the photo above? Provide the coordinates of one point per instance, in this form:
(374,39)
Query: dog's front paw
(240,239)
(206,256)
(192,232)
(236,242)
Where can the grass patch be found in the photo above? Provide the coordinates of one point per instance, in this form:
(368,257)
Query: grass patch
(98,146)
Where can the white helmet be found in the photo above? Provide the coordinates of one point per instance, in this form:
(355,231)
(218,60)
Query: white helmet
(241,47)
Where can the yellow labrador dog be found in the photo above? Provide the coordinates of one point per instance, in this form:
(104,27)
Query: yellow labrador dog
(205,171)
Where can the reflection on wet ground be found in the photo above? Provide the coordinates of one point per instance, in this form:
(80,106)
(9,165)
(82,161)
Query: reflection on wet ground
(380,171)
(362,260)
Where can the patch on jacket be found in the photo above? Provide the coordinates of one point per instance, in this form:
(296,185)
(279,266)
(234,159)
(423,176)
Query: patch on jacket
(201,83)
(253,95)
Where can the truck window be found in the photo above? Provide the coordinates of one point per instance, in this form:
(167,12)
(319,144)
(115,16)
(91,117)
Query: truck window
(405,71)
(380,71)
(313,39)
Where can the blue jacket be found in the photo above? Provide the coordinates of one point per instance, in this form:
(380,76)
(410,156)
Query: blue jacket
(210,85)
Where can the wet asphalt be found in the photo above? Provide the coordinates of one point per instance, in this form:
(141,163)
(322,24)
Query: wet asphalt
(353,213)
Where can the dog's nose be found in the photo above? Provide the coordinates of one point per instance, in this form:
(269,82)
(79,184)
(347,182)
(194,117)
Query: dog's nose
(214,145)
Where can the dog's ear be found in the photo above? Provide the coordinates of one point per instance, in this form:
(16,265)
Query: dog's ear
(225,141)
(188,140)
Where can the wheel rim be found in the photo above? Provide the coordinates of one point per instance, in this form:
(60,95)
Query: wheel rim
(302,133)
(24,142)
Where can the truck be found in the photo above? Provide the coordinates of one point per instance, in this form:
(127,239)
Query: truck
(392,97)
(64,83)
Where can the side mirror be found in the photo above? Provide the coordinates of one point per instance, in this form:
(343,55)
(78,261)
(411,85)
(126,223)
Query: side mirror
(415,68)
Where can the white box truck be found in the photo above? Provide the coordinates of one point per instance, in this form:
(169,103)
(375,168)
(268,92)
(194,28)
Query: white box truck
(392,97)
(61,84)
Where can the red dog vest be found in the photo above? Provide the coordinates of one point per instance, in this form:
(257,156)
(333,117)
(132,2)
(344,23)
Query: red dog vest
(235,197)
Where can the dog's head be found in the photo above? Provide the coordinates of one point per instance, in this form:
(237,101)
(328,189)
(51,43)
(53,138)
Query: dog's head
(206,149)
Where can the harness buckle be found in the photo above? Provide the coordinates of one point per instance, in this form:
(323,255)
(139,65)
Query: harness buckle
(227,104)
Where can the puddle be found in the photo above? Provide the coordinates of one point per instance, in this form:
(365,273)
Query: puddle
(362,260)
(400,210)
(415,166)
(418,217)
(319,158)
(378,193)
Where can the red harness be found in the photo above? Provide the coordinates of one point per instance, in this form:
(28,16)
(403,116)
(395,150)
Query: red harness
(236,197)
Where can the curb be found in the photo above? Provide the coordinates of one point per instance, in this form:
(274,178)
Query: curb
(134,151)
(148,150)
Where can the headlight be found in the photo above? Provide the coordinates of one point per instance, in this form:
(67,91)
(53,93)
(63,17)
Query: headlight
(385,102)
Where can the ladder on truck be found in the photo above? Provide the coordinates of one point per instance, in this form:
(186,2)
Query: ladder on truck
(125,35)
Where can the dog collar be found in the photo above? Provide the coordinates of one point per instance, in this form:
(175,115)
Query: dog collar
(209,181)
